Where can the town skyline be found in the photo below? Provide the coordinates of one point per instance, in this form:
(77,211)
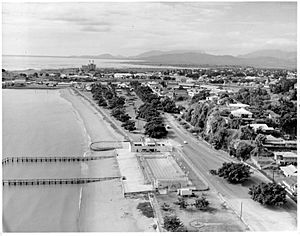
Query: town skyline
(129,29)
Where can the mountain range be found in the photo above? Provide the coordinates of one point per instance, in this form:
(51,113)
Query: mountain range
(262,58)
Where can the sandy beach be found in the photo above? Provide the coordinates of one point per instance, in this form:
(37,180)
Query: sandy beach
(102,206)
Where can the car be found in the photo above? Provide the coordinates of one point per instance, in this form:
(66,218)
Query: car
(185,142)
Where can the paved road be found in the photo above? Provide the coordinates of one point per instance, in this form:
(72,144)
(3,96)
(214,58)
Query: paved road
(204,158)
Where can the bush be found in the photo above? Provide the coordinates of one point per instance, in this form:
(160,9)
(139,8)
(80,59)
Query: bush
(234,172)
(243,151)
(201,203)
(146,209)
(173,224)
(271,194)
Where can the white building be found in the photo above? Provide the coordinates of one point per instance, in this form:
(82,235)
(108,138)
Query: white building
(289,170)
(149,145)
(122,75)
(242,113)
(237,105)
(284,158)
(263,127)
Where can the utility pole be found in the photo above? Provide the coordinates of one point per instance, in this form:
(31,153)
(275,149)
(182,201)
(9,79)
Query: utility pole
(241,210)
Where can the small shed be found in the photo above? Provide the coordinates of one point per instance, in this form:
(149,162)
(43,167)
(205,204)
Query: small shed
(184,192)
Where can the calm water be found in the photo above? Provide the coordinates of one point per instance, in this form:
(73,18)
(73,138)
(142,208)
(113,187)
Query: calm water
(40,122)
(23,63)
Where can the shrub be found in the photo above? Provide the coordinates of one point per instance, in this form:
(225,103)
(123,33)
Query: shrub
(173,224)
(201,203)
(146,209)
(234,172)
(271,194)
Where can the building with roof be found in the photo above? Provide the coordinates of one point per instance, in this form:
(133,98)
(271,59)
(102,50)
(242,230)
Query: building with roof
(274,143)
(180,93)
(241,113)
(89,67)
(122,75)
(237,105)
(285,158)
(150,145)
(20,82)
(264,127)
(289,170)
(291,184)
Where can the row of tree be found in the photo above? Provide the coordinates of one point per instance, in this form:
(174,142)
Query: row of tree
(106,96)
(151,110)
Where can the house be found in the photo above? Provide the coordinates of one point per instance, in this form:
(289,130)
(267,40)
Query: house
(187,85)
(270,139)
(20,82)
(265,128)
(278,143)
(180,93)
(122,75)
(242,113)
(237,105)
(184,192)
(284,158)
(291,184)
(172,84)
(212,98)
(289,170)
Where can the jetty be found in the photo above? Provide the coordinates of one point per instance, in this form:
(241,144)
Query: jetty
(10,160)
(26,182)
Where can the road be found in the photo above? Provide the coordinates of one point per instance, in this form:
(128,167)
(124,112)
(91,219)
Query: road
(205,158)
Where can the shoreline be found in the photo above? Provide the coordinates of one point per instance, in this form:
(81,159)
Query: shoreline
(121,214)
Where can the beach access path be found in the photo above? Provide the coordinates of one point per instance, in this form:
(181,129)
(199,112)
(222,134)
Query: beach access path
(103,206)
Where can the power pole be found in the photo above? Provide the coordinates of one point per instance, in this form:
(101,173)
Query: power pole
(241,210)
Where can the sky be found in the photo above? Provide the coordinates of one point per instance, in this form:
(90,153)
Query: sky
(130,28)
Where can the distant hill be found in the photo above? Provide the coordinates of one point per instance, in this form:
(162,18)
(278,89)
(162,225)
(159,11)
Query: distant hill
(194,58)
(271,53)
(159,53)
(101,56)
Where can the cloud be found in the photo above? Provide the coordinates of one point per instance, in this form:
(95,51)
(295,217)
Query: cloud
(78,20)
(95,29)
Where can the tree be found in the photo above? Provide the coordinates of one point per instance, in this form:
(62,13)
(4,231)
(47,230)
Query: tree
(234,172)
(243,151)
(155,130)
(247,133)
(117,112)
(182,203)
(129,125)
(271,194)
(173,224)
(169,106)
(102,102)
(201,203)
(202,95)
(124,117)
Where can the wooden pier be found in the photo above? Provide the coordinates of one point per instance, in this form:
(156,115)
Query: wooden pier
(26,182)
(9,160)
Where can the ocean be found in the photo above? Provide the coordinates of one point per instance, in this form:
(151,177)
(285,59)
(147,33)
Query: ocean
(41,123)
(24,63)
